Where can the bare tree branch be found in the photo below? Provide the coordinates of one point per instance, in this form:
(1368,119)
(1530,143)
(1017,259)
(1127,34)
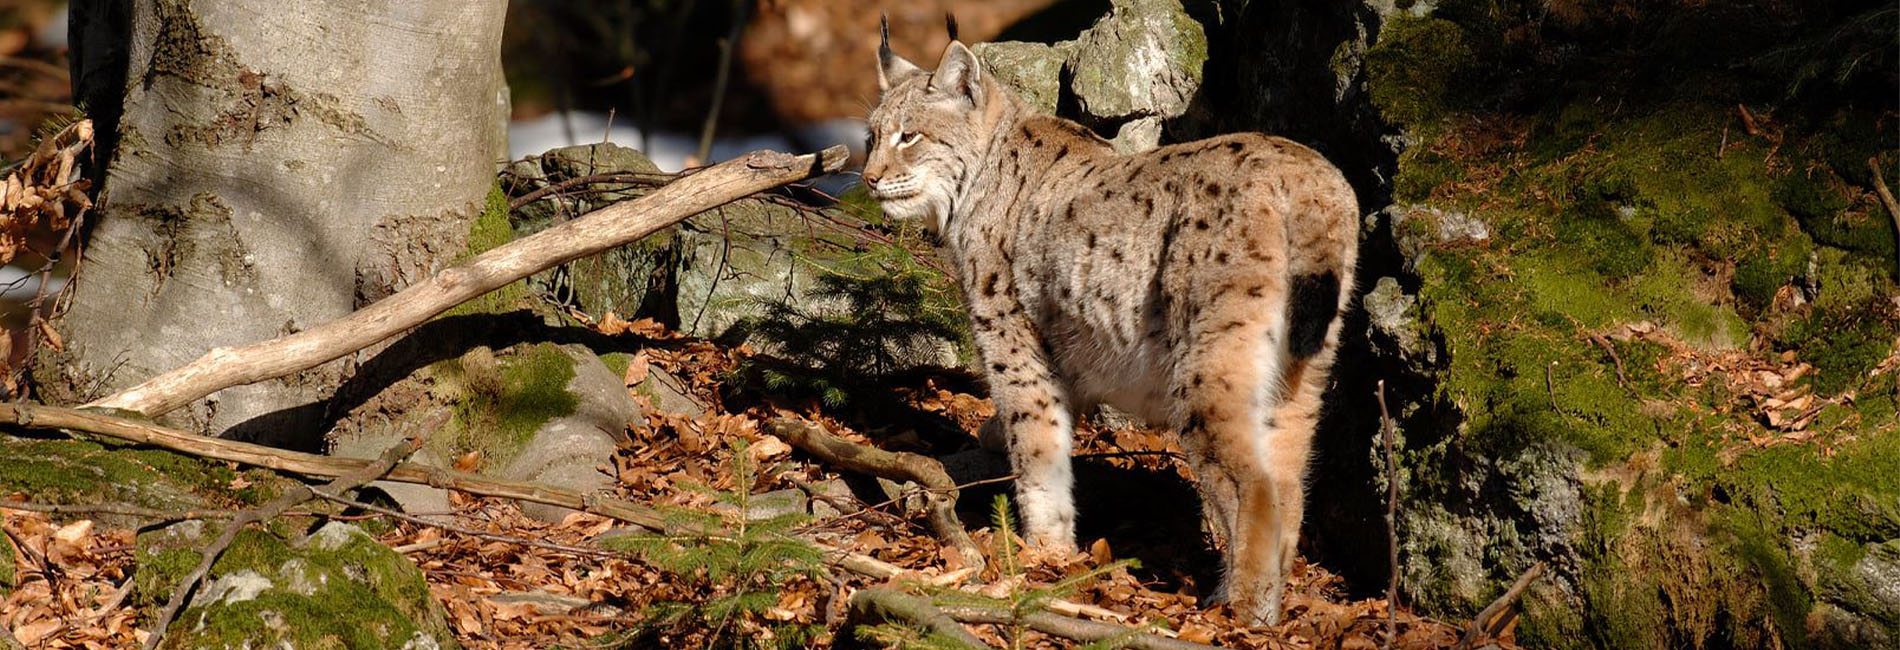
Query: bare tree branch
(878,605)
(1485,625)
(597,231)
(1073,628)
(940,492)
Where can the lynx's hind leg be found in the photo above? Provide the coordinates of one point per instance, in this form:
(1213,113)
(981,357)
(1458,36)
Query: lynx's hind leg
(1314,323)
(1224,385)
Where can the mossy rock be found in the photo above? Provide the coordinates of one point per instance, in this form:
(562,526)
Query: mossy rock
(57,470)
(1671,516)
(337,588)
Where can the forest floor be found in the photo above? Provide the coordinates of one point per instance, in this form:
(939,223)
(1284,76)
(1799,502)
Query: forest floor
(73,580)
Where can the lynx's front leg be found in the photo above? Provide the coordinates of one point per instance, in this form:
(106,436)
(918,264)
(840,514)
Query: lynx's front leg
(1033,407)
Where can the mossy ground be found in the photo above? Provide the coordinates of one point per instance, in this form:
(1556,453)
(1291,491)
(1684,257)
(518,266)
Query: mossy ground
(1741,234)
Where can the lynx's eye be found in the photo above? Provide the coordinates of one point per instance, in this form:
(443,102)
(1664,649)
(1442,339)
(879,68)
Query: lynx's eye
(905,140)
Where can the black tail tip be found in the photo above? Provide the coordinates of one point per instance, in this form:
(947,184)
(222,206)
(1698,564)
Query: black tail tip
(1311,308)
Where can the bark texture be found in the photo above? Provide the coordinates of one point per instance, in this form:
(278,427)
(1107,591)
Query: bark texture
(275,168)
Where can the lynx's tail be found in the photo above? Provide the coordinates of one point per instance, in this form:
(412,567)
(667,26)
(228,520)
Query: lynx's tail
(1311,307)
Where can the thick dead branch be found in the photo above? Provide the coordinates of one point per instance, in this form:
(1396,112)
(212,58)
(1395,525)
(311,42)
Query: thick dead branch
(293,496)
(597,231)
(880,605)
(1072,628)
(940,494)
(1488,621)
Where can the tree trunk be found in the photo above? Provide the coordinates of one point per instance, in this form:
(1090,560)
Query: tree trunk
(275,168)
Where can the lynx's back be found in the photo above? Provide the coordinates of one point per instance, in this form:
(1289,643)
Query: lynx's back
(1197,285)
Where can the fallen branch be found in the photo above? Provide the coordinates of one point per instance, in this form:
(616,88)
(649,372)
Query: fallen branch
(313,465)
(940,496)
(347,502)
(1488,621)
(1072,628)
(878,605)
(597,231)
(293,496)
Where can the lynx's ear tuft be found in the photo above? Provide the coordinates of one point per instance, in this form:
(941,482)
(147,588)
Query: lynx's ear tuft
(959,76)
(950,24)
(891,68)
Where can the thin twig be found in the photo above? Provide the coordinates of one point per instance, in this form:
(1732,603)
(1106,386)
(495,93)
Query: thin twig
(1893,208)
(742,10)
(1604,342)
(461,530)
(1388,431)
(1482,626)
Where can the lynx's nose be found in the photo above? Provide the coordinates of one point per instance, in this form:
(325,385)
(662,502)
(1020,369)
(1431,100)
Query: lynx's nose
(871,178)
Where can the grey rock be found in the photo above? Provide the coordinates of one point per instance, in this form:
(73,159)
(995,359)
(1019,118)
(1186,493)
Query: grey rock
(973,465)
(1393,325)
(1135,67)
(234,587)
(837,490)
(668,393)
(1138,135)
(1034,70)
(1142,59)
(422,500)
(567,450)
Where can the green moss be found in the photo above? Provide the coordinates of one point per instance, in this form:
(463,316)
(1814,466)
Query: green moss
(76,471)
(501,400)
(490,230)
(8,561)
(617,362)
(1411,70)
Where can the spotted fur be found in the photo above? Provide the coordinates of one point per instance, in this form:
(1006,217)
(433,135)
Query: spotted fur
(1197,285)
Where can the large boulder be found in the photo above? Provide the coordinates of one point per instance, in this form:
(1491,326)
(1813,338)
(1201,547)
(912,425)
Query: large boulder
(1134,69)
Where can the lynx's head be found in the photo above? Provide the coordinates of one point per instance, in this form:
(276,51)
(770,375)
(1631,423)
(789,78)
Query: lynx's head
(928,131)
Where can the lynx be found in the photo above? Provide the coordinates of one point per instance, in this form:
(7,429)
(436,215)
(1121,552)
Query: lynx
(1197,285)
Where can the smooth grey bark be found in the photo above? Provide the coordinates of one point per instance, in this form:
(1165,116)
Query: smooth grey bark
(277,166)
